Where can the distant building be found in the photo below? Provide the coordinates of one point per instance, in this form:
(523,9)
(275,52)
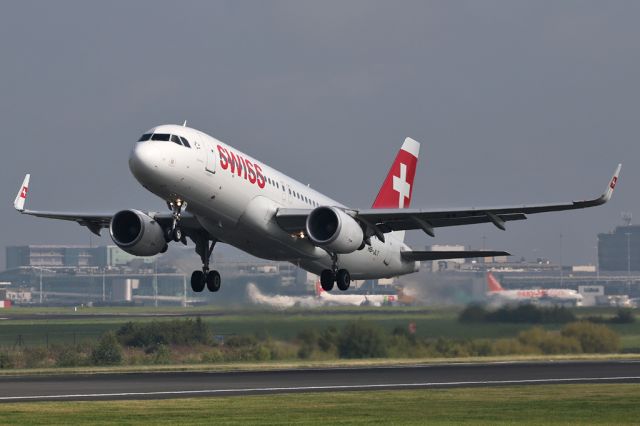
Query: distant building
(59,256)
(620,249)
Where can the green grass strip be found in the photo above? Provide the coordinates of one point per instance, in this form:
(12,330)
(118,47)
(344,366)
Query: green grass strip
(527,405)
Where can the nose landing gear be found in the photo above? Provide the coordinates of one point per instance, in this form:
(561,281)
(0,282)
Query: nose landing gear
(174,233)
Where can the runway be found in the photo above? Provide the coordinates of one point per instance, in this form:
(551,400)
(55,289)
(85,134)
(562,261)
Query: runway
(192,384)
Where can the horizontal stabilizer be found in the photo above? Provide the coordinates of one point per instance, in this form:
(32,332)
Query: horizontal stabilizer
(442,255)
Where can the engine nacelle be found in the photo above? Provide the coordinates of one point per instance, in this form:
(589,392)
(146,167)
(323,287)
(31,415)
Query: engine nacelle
(137,233)
(334,230)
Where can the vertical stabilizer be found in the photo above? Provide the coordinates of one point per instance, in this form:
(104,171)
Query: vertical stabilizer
(492,283)
(397,188)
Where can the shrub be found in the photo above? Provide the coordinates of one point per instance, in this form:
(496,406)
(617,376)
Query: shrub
(362,340)
(473,313)
(593,338)
(623,316)
(68,356)
(531,314)
(176,332)
(328,340)
(213,356)
(6,360)
(35,357)
(108,351)
(549,342)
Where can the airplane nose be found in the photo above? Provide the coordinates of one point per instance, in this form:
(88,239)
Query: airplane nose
(144,160)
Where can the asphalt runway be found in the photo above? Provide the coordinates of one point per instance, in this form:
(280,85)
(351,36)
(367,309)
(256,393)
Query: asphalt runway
(193,384)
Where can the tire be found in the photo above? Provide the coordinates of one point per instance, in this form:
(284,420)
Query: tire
(327,279)
(213,281)
(168,235)
(343,279)
(177,234)
(197,281)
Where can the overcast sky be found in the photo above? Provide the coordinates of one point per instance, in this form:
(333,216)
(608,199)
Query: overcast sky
(514,102)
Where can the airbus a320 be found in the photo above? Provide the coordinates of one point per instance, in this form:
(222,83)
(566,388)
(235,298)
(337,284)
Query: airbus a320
(215,193)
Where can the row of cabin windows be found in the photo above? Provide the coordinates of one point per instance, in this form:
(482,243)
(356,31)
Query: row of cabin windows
(165,137)
(299,196)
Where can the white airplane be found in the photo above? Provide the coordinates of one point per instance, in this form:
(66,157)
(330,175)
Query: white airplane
(354,299)
(281,301)
(217,193)
(558,296)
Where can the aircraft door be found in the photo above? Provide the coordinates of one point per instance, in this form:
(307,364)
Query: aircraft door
(284,191)
(210,162)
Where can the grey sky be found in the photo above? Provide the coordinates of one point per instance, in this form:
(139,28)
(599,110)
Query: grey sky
(512,101)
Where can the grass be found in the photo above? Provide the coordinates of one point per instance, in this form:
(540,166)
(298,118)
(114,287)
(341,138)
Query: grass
(543,405)
(286,324)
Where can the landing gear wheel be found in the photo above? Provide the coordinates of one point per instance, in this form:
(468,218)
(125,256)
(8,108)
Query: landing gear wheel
(343,279)
(177,234)
(197,281)
(213,281)
(327,278)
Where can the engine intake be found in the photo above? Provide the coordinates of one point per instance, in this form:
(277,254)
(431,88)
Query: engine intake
(137,233)
(333,229)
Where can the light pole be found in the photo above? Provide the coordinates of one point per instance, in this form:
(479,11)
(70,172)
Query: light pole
(628,234)
(561,272)
(41,285)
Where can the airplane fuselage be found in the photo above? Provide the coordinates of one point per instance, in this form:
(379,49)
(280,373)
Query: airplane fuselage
(235,197)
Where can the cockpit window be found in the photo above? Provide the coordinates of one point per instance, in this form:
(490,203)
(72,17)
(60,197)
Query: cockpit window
(160,137)
(175,139)
(185,142)
(145,137)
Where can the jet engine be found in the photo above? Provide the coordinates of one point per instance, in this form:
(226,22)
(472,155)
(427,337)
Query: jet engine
(334,230)
(137,233)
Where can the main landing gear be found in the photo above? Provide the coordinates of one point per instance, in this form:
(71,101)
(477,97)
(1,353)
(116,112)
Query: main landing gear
(340,277)
(205,277)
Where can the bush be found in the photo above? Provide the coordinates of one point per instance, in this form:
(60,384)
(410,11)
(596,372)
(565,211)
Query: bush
(624,316)
(6,360)
(108,351)
(176,332)
(362,340)
(213,356)
(593,338)
(35,357)
(531,314)
(473,313)
(549,342)
(68,356)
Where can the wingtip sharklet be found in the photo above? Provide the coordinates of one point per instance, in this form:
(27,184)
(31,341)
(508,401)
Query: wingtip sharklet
(612,184)
(18,204)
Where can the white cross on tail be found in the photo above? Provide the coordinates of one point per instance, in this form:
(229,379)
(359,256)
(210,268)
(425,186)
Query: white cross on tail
(401,186)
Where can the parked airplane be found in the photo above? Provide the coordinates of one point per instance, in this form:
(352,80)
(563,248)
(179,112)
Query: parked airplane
(355,299)
(321,298)
(281,301)
(216,193)
(556,296)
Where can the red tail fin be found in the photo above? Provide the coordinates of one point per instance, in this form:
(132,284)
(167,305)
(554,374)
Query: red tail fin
(493,283)
(397,188)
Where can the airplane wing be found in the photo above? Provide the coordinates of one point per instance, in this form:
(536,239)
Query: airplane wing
(442,254)
(95,222)
(380,221)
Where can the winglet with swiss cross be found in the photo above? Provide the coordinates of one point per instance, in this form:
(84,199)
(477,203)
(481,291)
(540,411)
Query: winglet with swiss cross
(18,204)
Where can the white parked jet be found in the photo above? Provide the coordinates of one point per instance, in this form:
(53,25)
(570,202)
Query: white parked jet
(557,296)
(217,193)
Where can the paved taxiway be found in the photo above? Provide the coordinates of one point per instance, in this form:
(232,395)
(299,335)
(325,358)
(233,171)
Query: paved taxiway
(190,384)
